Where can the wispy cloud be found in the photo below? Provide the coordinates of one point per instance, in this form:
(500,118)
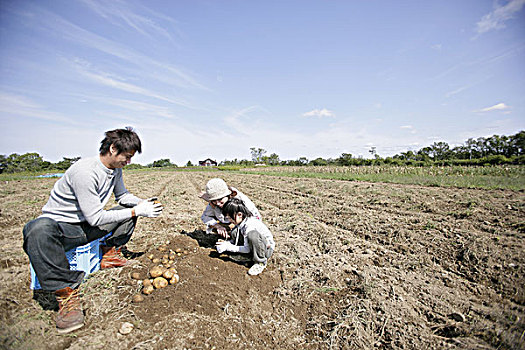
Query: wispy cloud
(167,72)
(457,91)
(501,55)
(139,107)
(497,18)
(246,120)
(19,105)
(119,13)
(110,80)
(320,113)
(497,107)
(476,82)
(481,64)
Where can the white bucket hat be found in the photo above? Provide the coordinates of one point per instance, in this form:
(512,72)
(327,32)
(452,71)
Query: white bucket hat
(216,189)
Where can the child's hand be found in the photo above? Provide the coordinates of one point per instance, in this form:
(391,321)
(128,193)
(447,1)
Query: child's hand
(221,230)
(223,246)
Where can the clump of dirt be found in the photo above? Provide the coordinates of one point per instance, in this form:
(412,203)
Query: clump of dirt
(357,265)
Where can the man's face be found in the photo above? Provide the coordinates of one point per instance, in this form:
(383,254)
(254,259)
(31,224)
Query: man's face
(120,160)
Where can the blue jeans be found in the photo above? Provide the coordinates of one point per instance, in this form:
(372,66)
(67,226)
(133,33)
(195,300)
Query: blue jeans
(46,242)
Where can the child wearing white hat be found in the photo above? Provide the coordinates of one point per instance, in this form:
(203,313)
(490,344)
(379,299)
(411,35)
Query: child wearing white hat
(217,194)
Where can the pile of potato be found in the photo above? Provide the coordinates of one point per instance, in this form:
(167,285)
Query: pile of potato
(162,274)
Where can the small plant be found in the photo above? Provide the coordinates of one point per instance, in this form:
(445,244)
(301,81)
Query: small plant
(429,225)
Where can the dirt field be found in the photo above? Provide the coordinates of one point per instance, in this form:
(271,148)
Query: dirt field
(357,266)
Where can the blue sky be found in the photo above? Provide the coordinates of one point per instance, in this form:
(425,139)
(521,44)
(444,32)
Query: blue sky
(201,79)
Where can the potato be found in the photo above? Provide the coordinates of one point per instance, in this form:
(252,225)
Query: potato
(160,282)
(146,282)
(156,260)
(156,271)
(174,279)
(178,250)
(173,269)
(167,274)
(126,328)
(162,248)
(137,298)
(172,255)
(165,257)
(148,289)
(135,275)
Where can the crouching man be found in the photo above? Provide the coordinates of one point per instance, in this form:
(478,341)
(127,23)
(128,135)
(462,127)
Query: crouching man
(74,215)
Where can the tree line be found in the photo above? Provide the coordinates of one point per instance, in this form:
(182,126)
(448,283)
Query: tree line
(494,150)
(33,162)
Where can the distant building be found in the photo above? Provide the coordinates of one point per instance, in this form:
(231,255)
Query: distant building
(207,162)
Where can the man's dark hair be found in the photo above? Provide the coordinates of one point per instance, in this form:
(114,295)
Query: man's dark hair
(234,206)
(124,140)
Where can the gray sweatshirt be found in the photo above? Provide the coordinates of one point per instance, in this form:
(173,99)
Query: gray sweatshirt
(83,192)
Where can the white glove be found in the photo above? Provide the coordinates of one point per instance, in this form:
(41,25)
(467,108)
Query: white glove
(224,246)
(148,209)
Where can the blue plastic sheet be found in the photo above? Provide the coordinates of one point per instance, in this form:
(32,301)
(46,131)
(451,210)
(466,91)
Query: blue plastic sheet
(52,175)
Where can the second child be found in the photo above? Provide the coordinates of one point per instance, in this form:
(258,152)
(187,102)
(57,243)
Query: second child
(250,236)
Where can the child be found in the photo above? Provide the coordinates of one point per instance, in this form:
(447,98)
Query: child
(217,194)
(251,236)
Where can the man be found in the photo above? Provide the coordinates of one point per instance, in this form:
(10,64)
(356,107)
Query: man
(74,215)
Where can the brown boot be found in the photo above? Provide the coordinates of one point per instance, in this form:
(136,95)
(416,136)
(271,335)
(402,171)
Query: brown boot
(112,257)
(70,316)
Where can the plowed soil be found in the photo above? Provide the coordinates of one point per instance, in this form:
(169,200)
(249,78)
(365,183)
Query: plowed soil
(357,266)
